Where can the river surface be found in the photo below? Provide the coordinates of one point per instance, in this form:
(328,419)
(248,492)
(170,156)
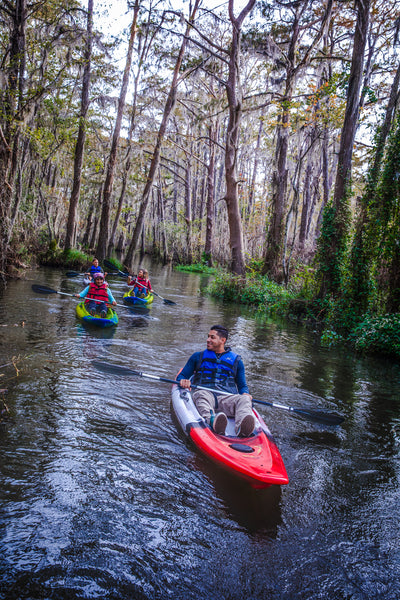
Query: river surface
(102,497)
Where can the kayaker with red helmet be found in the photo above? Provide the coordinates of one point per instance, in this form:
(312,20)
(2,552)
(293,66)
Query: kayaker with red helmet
(220,368)
(97,294)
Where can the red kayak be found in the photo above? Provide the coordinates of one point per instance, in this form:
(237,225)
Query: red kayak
(255,459)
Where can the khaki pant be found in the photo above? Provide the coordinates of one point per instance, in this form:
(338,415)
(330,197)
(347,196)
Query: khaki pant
(234,405)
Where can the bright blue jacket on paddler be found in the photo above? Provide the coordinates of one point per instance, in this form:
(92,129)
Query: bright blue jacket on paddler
(94,270)
(218,371)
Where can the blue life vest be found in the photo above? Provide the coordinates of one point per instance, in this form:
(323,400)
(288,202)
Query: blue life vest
(218,373)
(94,269)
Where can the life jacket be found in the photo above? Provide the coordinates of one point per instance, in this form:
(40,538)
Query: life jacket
(94,269)
(97,292)
(218,373)
(142,282)
(142,288)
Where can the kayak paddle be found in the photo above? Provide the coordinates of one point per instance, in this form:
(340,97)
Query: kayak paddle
(112,267)
(165,300)
(43,289)
(155,293)
(109,265)
(313,415)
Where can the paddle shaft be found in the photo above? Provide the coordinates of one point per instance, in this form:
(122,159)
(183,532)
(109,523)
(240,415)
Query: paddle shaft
(109,265)
(46,290)
(155,293)
(71,274)
(323,417)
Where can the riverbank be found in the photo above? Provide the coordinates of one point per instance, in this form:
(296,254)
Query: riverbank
(371,334)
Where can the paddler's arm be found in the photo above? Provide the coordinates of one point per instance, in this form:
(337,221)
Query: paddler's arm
(188,370)
(83,293)
(111,298)
(241,379)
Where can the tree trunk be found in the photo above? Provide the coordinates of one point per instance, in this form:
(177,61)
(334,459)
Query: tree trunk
(80,142)
(212,138)
(169,106)
(102,245)
(188,213)
(163,236)
(305,210)
(255,168)
(128,162)
(10,119)
(276,229)
(343,173)
(334,236)
(234,95)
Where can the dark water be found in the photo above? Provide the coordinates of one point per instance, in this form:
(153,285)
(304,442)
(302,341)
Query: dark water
(102,497)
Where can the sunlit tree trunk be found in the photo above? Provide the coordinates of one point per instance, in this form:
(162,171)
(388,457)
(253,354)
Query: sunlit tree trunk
(212,139)
(276,229)
(188,212)
(144,46)
(255,168)
(234,95)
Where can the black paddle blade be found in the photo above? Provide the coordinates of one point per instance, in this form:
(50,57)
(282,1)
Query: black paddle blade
(111,267)
(114,369)
(168,301)
(73,274)
(43,289)
(319,416)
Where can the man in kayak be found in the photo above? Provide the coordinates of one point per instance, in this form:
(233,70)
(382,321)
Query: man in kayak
(219,368)
(97,294)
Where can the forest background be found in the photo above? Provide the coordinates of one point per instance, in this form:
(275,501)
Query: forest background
(261,138)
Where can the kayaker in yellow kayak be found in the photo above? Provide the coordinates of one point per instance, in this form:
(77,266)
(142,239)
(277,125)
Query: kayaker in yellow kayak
(141,283)
(97,294)
(220,368)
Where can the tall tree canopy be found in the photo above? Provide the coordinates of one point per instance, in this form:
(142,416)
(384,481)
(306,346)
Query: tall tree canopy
(234,134)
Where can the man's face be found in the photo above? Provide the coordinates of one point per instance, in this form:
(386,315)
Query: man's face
(215,343)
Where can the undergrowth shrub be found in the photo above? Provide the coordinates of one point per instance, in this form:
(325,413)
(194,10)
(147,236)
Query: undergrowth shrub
(380,335)
(256,291)
(196,268)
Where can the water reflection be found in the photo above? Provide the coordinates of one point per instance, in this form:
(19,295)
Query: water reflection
(87,331)
(256,511)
